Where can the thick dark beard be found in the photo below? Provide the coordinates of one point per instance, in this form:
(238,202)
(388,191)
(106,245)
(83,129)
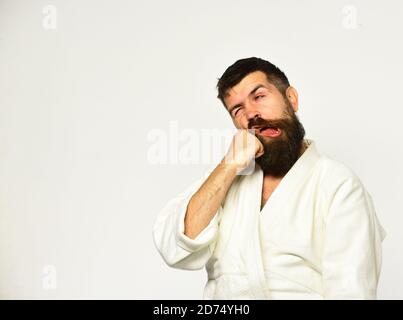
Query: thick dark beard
(280,153)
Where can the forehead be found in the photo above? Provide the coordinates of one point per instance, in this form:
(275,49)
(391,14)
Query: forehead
(245,86)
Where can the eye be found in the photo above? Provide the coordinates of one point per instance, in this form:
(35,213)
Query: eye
(236,111)
(259,97)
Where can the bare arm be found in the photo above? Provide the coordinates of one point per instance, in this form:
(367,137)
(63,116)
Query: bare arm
(205,202)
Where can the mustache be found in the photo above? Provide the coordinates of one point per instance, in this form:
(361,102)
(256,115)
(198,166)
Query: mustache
(265,123)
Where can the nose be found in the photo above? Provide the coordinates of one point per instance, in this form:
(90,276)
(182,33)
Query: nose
(253,114)
(251,111)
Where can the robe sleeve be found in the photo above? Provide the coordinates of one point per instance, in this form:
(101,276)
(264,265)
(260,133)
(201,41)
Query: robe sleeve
(178,250)
(352,252)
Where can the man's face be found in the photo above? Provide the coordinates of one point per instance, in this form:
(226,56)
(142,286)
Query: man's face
(244,101)
(254,103)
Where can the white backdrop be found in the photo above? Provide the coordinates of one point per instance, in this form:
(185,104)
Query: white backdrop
(86,86)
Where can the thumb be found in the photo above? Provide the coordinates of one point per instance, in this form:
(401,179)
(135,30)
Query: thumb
(260,150)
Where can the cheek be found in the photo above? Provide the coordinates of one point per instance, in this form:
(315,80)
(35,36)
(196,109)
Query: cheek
(236,123)
(242,122)
(275,112)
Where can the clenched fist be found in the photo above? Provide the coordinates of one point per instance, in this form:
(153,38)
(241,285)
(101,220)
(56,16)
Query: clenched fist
(244,147)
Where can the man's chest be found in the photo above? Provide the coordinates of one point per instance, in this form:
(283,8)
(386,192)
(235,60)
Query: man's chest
(268,188)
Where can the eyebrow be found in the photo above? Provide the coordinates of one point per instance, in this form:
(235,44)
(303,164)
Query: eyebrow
(250,93)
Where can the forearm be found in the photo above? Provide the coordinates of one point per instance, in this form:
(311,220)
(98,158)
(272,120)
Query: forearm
(205,202)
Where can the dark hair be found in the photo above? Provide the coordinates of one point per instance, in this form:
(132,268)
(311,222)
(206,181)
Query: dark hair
(241,68)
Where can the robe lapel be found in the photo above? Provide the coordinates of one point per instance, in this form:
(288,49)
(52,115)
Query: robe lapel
(250,245)
(252,216)
(291,181)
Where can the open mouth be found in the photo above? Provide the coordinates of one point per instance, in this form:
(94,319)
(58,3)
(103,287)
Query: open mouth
(268,131)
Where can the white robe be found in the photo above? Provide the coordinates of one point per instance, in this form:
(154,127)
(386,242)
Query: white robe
(317,237)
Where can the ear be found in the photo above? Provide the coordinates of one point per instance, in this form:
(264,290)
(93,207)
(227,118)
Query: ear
(292,96)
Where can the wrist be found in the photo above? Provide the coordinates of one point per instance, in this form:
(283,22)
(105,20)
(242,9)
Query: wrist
(229,163)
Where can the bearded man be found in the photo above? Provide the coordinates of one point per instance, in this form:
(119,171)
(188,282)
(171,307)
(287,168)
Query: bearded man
(299,226)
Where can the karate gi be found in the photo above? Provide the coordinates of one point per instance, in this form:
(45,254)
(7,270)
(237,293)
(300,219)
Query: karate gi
(317,236)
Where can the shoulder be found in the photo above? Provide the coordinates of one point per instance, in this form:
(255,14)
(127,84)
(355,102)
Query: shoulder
(338,179)
(332,171)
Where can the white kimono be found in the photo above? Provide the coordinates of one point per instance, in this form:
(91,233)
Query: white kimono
(317,237)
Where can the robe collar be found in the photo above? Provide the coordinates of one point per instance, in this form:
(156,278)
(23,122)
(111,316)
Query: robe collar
(293,178)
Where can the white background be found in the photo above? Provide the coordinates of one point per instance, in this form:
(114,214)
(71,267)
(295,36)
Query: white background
(78,194)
